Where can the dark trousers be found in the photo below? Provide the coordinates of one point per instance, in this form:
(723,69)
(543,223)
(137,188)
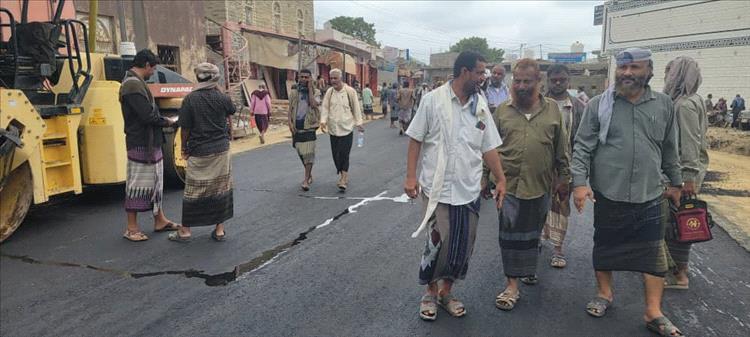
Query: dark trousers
(340,148)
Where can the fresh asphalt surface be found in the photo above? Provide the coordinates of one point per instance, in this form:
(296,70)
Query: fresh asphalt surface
(356,276)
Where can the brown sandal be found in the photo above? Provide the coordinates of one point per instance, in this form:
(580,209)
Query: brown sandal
(135,236)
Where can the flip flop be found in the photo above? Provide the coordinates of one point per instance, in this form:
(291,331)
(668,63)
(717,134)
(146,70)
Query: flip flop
(167,228)
(428,307)
(452,305)
(558,261)
(530,280)
(135,236)
(506,301)
(664,327)
(670,282)
(176,237)
(218,238)
(598,306)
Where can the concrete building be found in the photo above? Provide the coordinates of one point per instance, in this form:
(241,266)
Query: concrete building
(441,65)
(285,17)
(715,33)
(271,30)
(359,61)
(180,47)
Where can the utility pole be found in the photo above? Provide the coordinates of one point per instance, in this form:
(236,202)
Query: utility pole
(93,15)
(299,56)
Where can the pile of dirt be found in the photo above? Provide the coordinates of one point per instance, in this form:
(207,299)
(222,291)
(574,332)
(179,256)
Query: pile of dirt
(729,140)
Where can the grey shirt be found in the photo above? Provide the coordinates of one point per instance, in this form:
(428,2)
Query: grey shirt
(641,144)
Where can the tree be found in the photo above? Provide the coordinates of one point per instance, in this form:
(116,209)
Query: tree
(479,45)
(356,27)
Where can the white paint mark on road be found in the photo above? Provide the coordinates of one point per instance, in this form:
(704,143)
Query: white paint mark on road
(353,208)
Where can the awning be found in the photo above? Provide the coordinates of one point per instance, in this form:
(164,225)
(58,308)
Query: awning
(271,52)
(333,59)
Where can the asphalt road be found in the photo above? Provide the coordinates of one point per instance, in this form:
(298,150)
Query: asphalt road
(299,265)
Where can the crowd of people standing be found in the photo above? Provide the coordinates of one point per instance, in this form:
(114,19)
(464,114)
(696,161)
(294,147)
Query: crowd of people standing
(472,137)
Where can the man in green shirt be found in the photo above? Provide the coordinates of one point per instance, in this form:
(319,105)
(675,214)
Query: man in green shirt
(626,139)
(534,151)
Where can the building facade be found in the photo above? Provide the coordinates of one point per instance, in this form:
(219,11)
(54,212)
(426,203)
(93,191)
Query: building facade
(180,47)
(284,17)
(714,33)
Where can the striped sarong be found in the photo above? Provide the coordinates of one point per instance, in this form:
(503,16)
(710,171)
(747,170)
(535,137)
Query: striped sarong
(144,181)
(304,142)
(556,225)
(629,237)
(449,242)
(208,198)
(521,222)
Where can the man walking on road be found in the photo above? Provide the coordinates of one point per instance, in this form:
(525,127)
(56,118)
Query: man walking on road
(455,127)
(144,182)
(626,139)
(367,101)
(304,120)
(681,83)
(534,152)
(405,104)
(393,103)
(340,113)
(556,225)
(497,90)
(208,198)
(737,106)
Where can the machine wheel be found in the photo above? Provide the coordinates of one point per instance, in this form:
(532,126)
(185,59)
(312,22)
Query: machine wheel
(16,193)
(174,176)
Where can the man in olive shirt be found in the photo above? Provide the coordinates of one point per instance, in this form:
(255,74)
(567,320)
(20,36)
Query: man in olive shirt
(626,139)
(534,150)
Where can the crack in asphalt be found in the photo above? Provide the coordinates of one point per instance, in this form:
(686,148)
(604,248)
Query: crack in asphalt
(220,279)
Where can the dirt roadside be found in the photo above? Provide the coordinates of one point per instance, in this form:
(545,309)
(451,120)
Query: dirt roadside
(726,188)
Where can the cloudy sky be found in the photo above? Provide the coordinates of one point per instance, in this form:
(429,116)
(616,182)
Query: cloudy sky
(432,26)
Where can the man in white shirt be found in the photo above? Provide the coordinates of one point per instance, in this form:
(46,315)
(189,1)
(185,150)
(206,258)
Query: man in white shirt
(497,91)
(454,126)
(340,114)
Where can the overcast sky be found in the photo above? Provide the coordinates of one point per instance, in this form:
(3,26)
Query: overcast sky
(432,26)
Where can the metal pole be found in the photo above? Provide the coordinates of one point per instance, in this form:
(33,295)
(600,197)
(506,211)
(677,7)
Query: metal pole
(299,56)
(93,14)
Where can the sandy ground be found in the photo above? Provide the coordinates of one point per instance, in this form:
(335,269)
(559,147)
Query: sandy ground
(729,140)
(727,190)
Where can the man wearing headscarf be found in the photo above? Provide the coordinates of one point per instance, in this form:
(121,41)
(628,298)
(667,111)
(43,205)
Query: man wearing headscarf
(681,82)
(208,196)
(626,139)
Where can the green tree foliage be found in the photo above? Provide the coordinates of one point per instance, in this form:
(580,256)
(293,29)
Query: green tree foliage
(356,27)
(479,45)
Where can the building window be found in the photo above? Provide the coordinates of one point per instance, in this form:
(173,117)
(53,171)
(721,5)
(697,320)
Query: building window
(248,12)
(277,16)
(300,22)
(169,57)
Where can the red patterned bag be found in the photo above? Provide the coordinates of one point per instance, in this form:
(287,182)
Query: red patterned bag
(692,221)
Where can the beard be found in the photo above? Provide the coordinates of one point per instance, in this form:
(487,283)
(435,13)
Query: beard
(525,99)
(557,91)
(636,83)
(470,87)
